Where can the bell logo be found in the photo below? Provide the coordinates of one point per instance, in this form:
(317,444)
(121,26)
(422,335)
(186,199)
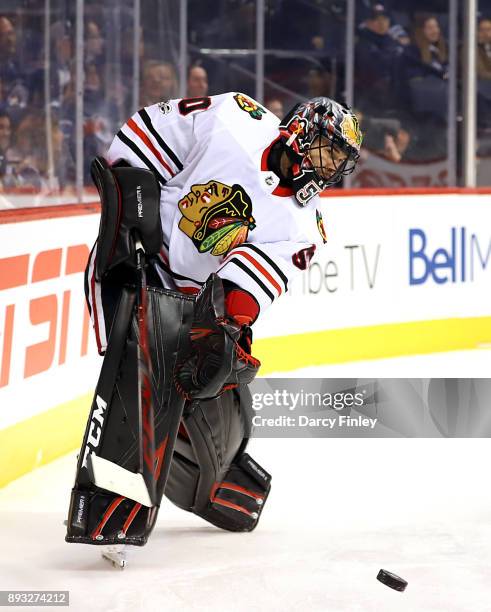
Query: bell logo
(461,260)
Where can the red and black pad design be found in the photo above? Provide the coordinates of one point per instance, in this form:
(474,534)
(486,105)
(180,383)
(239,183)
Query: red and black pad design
(147,400)
(211,475)
(236,502)
(116,426)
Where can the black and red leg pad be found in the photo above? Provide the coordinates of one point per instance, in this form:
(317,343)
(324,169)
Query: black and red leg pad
(236,502)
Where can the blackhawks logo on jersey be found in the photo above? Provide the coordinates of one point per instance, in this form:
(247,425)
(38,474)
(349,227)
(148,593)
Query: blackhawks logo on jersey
(320,225)
(217,217)
(249,106)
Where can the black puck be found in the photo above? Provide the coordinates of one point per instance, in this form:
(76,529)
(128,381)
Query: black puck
(391,580)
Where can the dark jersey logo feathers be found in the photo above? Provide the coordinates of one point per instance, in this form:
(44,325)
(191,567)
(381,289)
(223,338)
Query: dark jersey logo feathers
(217,217)
(320,225)
(249,106)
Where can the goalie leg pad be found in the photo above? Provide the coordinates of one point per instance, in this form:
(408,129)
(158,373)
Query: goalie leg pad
(99,517)
(210,474)
(103,515)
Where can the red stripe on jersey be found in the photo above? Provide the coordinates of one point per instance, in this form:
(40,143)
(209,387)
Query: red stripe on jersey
(139,132)
(258,267)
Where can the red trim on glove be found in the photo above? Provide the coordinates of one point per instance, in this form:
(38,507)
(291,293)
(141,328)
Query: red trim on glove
(241,306)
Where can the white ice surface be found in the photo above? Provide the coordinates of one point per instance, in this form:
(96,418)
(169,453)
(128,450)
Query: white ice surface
(339,510)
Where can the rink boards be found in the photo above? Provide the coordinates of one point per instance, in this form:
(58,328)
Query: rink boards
(399,275)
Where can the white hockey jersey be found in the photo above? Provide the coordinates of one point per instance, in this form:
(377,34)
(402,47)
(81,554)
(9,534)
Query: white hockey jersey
(222,209)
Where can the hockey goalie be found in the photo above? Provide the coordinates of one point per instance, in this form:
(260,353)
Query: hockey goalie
(209,208)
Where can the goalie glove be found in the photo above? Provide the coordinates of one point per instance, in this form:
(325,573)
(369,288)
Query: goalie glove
(219,357)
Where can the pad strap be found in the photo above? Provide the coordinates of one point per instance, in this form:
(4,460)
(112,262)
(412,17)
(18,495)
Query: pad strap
(236,502)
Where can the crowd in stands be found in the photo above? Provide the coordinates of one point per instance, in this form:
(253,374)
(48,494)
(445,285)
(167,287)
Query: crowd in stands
(400,74)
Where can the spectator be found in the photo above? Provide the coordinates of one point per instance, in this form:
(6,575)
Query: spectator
(428,54)
(15,93)
(319,83)
(375,53)
(62,63)
(93,91)
(365,8)
(159,82)
(32,169)
(5,133)
(26,154)
(395,146)
(127,52)
(275,105)
(401,37)
(94,43)
(484,73)
(5,142)
(385,137)
(9,67)
(197,82)
(425,68)
(484,49)
(99,112)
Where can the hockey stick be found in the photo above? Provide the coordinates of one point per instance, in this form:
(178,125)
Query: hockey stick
(145,392)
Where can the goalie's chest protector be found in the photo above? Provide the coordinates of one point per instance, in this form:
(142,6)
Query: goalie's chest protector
(225,195)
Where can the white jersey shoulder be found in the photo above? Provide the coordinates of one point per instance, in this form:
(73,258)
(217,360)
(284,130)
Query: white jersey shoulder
(160,137)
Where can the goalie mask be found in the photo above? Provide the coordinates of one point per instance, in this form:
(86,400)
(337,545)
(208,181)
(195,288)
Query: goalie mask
(322,139)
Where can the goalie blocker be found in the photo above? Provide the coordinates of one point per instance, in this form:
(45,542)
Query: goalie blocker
(143,438)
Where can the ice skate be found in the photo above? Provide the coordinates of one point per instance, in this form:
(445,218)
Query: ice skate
(115,554)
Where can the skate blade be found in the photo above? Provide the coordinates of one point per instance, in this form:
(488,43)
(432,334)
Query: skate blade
(116,558)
